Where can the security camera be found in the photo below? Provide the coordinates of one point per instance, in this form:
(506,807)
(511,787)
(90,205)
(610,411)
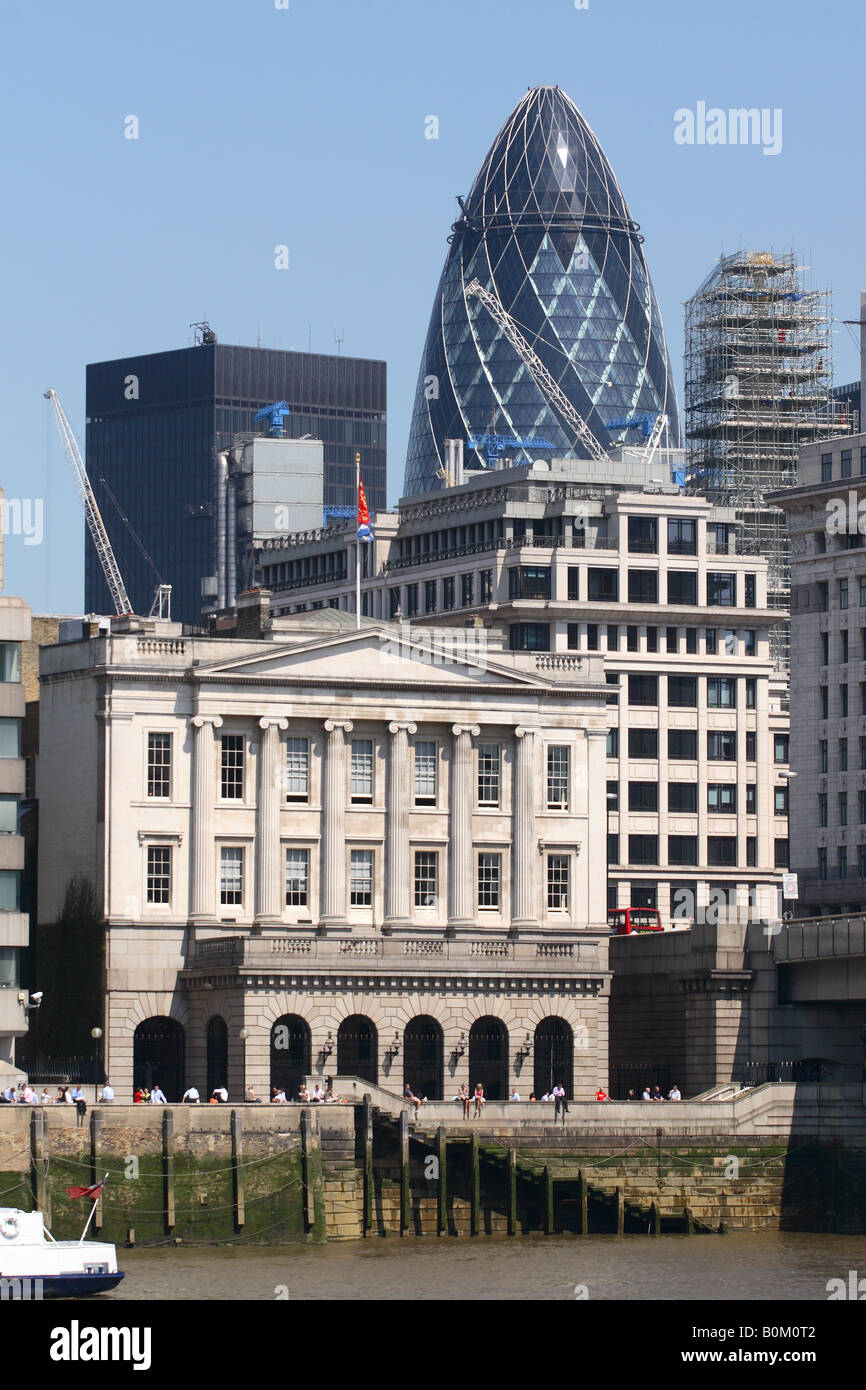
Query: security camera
(36,998)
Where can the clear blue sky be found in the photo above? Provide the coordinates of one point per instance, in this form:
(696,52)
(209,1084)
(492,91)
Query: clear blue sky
(305,126)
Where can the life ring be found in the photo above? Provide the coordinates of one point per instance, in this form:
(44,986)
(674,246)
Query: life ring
(9,1228)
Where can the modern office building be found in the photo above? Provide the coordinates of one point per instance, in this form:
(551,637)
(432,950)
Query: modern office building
(319,852)
(14,924)
(576,558)
(156,422)
(826,513)
(547,234)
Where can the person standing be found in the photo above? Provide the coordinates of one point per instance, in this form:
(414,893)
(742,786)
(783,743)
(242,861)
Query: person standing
(674,1093)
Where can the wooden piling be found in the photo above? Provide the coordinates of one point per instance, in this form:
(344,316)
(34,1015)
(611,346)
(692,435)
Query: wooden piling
(95,1174)
(511,1191)
(583,1205)
(620,1212)
(655,1221)
(237,1138)
(367,1125)
(405,1191)
(475,1184)
(548,1201)
(442,1193)
(690,1221)
(312,1178)
(168,1169)
(38,1172)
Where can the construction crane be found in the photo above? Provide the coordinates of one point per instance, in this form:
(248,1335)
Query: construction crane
(495,444)
(99,535)
(161,605)
(650,423)
(275,415)
(555,395)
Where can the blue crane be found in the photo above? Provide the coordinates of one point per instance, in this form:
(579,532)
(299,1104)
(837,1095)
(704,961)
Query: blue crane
(275,415)
(495,444)
(643,422)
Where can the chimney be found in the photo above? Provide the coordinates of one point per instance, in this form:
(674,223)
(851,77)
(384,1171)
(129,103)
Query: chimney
(253,609)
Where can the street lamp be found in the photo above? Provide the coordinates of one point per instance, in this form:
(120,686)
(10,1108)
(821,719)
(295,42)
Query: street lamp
(96,1034)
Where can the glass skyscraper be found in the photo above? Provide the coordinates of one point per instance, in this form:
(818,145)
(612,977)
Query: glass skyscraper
(154,423)
(545,229)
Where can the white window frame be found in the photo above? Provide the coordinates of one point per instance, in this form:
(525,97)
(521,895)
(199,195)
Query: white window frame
(551,777)
(304,854)
(355,856)
(303,751)
(240,852)
(362,798)
(426,798)
(158,733)
(482,753)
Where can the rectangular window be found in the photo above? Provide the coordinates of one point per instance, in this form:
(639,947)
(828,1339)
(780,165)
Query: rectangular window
(297,877)
(825,648)
(394,602)
(826,468)
(862,754)
(780,856)
(751,591)
(557,882)
(824,693)
(682,536)
(426,877)
(682,745)
(861,849)
(691,641)
(722,746)
(652,639)
(843,808)
(643,535)
(467,589)
(751,692)
(529,637)
(843,593)
(613,637)
(527,581)
(612,794)
(721,590)
(682,849)
(489,880)
(843,700)
(751,746)
(843,635)
(159,765)
(486,595)
(232,767)
(573,584)
(751,799)
(643,586)
(572,636)
(683,587)
(846,464)
(843,755)
(231,876)
(297,769)
(602,585)
(631,638)
(751,851)
(643,796)
(721,692)
(10,661)
(823,817)
(780,748)
(489,774)
(362,770)
(557,777)
(361,878)
(426,767)
(612,848)
(429,595)
(683,691)
(671,643)
(722,798)
(824,596)
(643,689)
(10,737)
(448,591)
(721,850)
(159,873)
(592,637)
(861,801)
(613,743)
(643,849)
(683,797)
(822,863)
(643,743)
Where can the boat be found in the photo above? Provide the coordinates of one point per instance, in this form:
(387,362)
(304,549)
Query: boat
(35,1265)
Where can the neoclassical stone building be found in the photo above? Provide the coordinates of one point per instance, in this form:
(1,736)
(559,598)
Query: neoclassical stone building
(328,851)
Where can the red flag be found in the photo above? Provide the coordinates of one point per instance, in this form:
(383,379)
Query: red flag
(365,530)
(94,1192)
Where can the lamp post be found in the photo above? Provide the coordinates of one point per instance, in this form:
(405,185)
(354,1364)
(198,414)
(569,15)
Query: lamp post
(96,1034)
(243,1035)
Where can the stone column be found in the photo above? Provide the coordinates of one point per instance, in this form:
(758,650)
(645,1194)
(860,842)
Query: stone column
(524,849)
(203,868)
(397,912)
(332,863)
(269,897)
(462,878)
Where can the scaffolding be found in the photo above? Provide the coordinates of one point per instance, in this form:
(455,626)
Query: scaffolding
(758,376)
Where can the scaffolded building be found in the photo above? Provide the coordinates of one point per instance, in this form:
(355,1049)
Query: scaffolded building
(758,376)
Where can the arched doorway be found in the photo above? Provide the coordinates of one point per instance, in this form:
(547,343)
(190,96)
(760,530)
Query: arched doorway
(217,1055)
(158,1056)
(290,1054)
(488,1057)
(357,1048)
(554,1057)
(423,1057)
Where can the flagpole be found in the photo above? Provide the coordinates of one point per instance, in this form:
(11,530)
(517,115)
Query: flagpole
(92,1212)
(357,549)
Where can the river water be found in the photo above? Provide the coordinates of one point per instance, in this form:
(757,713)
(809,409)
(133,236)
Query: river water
(752,1266)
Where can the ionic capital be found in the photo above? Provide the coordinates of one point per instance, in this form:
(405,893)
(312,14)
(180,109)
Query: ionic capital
(199,720)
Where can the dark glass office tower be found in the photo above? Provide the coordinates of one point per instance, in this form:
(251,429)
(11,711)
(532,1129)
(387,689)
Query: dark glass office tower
(547,232)
(154,423)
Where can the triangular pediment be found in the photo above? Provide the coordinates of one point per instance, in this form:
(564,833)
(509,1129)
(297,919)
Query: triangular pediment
(378,656)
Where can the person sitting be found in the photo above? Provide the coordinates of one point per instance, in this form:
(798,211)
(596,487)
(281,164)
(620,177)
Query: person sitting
(514,1094)
(157,1097)
(412,1099)
(631,1096)
(251,1097)
(318,1093)
(479,1099)
(533,1097)
(107,1097)
(656,1094)
(191,1096)
(646,1095)
(601,1094)
(278,1097)
(463,1097)
(45,1098)
(221,1094)
(138,1096)
(303,1094)
(547,1096)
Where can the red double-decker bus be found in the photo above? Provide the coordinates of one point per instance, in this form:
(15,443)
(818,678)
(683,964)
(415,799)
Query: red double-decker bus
(624,921)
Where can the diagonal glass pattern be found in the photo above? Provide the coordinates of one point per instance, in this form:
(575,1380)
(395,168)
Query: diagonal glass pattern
(547,230)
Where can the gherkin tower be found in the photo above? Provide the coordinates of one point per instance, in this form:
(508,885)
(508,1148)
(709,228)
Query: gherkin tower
(545,229)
